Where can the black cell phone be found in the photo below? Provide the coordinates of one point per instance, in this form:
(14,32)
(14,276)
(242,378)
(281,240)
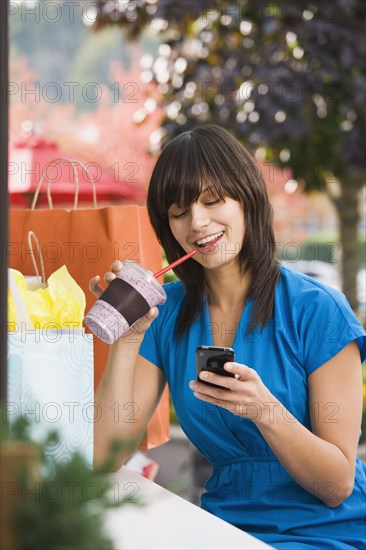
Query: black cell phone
(212,358)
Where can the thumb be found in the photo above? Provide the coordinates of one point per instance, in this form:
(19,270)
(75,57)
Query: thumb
(152,314)
(144,323)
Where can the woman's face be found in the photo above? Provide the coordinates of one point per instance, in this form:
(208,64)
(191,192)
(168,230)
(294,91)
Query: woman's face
(213,226)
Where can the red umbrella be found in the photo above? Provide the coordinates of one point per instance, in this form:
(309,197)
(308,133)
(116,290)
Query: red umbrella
(29,160)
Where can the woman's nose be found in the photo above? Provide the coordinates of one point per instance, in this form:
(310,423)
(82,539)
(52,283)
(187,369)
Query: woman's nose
(199,217)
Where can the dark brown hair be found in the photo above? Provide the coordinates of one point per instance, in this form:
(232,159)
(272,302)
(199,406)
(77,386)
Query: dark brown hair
(210,154)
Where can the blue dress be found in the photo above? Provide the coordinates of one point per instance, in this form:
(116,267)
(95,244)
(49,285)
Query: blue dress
(248,487)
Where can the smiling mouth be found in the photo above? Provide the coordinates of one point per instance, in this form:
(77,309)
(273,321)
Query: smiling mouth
(208,242)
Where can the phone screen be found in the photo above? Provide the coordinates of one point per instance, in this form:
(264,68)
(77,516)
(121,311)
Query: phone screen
(212,358)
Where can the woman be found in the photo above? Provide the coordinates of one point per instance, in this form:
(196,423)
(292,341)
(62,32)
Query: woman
(282,435)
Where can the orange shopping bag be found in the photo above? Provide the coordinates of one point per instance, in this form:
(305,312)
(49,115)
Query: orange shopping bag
(87,241)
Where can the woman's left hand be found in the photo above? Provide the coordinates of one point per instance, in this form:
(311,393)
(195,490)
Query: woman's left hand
(245,395)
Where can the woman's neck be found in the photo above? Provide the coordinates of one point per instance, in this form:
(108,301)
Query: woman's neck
(226,288)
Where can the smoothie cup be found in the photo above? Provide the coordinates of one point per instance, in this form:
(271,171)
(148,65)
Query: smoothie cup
(128,297)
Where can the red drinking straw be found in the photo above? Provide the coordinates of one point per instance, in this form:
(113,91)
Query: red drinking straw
(177,262)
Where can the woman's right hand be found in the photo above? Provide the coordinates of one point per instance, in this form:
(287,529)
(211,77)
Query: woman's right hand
(142,324)
(94,285)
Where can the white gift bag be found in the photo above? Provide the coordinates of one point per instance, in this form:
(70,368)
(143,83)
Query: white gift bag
(50,382)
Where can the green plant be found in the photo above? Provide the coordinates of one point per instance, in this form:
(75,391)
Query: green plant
(61,505)
(170,275)
(326,248)
(268,71)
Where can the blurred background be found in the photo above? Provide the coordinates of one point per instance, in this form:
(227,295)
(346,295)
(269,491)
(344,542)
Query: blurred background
(109,82)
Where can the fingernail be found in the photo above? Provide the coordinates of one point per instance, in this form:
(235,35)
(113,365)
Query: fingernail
(116,263)
(203,375)
(193,385)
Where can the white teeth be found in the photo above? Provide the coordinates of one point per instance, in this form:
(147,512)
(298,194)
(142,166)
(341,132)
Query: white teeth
(209,239)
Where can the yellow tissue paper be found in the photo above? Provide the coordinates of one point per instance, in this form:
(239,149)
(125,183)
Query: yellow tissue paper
(22,287)
(11,313)
(68,298)
(61,303)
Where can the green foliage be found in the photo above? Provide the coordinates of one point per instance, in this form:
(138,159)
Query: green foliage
(326,249)
(284,76)
(16,431)
(91,62)
(63,51)
(66,511)
(62,505)
(170,276)
(287,78)
(48,44)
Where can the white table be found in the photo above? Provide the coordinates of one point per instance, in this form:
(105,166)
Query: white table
(162,520)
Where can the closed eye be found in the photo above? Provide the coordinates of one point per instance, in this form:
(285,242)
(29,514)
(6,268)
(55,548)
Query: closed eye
(179,214)
(211,203)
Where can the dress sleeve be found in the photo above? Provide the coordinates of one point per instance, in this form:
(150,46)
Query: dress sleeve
(159,339)
(327,324)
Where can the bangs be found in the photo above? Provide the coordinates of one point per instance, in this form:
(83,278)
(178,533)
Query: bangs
(209,157)
(186,166)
